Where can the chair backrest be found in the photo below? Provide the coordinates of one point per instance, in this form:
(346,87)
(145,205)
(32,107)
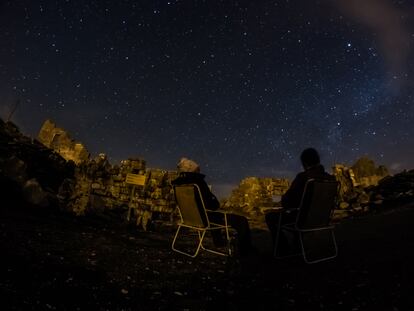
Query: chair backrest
(318,202)
(191,205)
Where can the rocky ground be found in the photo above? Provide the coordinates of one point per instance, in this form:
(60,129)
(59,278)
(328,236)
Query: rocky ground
(51,260)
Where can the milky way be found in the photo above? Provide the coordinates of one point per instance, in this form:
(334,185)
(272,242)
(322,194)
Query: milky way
(239,86)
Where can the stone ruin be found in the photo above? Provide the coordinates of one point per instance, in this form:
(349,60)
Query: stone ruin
(36,174)
(363,187)
(99,186)
(255,194)
(65,175)
(367,174)
(358,184)
(59,140)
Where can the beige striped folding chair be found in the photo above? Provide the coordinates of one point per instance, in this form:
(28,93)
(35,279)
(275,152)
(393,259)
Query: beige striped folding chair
(194,218)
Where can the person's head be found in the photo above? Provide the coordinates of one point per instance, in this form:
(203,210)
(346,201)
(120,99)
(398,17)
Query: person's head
(309,158)
(188,166)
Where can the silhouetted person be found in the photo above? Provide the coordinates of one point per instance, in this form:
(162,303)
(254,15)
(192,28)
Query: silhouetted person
(291,199)
(189,173)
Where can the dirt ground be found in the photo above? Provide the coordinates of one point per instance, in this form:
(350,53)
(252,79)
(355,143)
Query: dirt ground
(54,261)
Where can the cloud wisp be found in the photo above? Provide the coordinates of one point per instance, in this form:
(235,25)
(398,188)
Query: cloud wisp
(387,22)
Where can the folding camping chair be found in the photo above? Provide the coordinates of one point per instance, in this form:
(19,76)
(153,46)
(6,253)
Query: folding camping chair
(194,216)
(313,221)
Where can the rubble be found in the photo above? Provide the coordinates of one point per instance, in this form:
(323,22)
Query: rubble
(392,189)
(365,187)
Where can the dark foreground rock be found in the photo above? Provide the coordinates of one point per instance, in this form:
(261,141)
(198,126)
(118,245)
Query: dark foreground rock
(55,261)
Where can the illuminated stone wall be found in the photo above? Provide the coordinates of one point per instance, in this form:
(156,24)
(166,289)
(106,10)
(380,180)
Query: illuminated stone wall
(367,173)
(59,140)
(255,193)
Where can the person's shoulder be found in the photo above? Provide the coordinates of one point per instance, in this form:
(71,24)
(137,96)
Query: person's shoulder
(177,181)
(329,177)
(326,174)
(194,176)
(187,177)
(300,178)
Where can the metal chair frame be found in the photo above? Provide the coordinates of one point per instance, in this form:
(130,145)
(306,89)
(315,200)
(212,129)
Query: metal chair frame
(202,229)
(295,227)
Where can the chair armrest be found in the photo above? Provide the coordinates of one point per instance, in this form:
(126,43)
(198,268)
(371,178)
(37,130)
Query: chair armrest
(227,212)
(289,225)
(275,209)
(221,211)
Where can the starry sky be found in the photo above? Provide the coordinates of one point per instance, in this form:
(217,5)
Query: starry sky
(241,87)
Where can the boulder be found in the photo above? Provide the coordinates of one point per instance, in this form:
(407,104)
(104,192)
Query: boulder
(34,194)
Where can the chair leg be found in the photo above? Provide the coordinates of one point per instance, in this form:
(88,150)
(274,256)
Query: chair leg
(276,246)
(229,246)
(320,259)
(277,242)
(229,250)
(217,252)
(200,239)
(129,214)
(201,234)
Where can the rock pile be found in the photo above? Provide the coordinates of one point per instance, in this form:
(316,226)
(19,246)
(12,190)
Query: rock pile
(397,189)
(365,187)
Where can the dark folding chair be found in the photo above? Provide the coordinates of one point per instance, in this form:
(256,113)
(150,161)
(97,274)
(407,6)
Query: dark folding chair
(313,222)
(194,216)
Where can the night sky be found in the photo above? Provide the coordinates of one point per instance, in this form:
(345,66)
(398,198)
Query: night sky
(241,87)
